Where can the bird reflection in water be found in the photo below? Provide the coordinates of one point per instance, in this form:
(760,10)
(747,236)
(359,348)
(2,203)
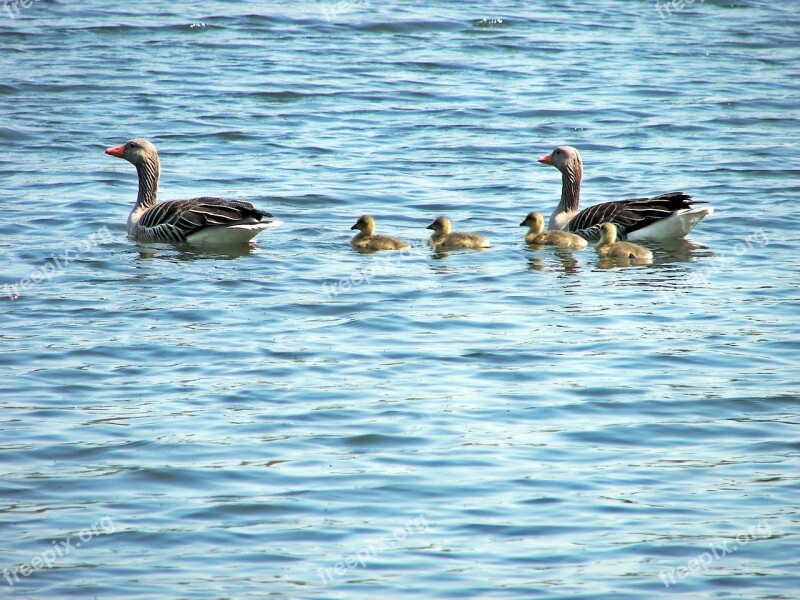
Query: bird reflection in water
(561,261)
(188,252)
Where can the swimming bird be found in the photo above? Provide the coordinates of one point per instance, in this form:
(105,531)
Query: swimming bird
(366,239)
(664,217)
(444,239)
(538,236)
(609,247)
(213,221)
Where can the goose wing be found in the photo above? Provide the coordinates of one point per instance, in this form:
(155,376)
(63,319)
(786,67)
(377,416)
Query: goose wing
(175,220)
(628,215)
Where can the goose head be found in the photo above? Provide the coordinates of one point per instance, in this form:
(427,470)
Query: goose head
(365,225)
(137,151)
(535,221)
(563,158)
(440,226)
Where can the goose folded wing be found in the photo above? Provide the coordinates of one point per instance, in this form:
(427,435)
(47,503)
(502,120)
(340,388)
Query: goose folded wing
(628,215)
(190,216)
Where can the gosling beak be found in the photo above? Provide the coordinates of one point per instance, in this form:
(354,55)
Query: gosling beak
(547,159)
(525,222)
(429,226)
(354,226)
(117,151)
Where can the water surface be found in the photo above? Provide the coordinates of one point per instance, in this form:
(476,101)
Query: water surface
(303,421)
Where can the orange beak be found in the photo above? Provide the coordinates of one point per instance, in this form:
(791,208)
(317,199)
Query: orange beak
(547,159)
(116,151)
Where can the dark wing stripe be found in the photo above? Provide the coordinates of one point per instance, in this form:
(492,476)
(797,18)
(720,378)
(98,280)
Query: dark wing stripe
(177,219)
(628,215)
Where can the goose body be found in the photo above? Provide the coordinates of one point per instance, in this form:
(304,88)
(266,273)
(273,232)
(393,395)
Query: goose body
(366,239)
(537,236)
(203,221)
(609,247)
(664,217)
(444,238)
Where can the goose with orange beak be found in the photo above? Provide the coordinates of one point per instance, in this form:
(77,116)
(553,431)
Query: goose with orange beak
(203,221)
(665,217)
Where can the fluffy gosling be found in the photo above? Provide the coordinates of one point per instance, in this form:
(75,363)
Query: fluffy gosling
(608,246)
(538,236)
(445,239)
(366,239)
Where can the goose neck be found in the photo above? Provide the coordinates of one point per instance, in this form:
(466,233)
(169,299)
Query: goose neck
(149,172)
(571,188)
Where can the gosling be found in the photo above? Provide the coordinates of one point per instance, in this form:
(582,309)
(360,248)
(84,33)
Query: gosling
(539,237)
(444,239)
(366,239)
(610,247)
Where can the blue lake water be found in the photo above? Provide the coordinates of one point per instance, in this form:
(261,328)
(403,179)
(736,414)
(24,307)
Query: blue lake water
(298,420)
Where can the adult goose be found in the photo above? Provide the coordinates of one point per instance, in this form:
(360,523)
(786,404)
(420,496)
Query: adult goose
(213,221)
(665,217)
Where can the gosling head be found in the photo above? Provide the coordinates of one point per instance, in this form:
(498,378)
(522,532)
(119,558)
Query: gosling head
(365,225)
(563,158)
(440,226)
(535,221)
(608,233)
(136,152)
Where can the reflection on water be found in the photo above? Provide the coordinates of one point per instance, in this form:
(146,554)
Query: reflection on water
(536,264)
(559,260)
(614,262)
(188,252)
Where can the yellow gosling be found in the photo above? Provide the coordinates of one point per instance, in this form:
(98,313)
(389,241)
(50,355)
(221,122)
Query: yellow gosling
(538,236)
(445,239)
(609,247)
(366,239)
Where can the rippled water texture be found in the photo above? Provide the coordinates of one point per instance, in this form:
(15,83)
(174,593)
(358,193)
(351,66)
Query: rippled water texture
(298,420)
